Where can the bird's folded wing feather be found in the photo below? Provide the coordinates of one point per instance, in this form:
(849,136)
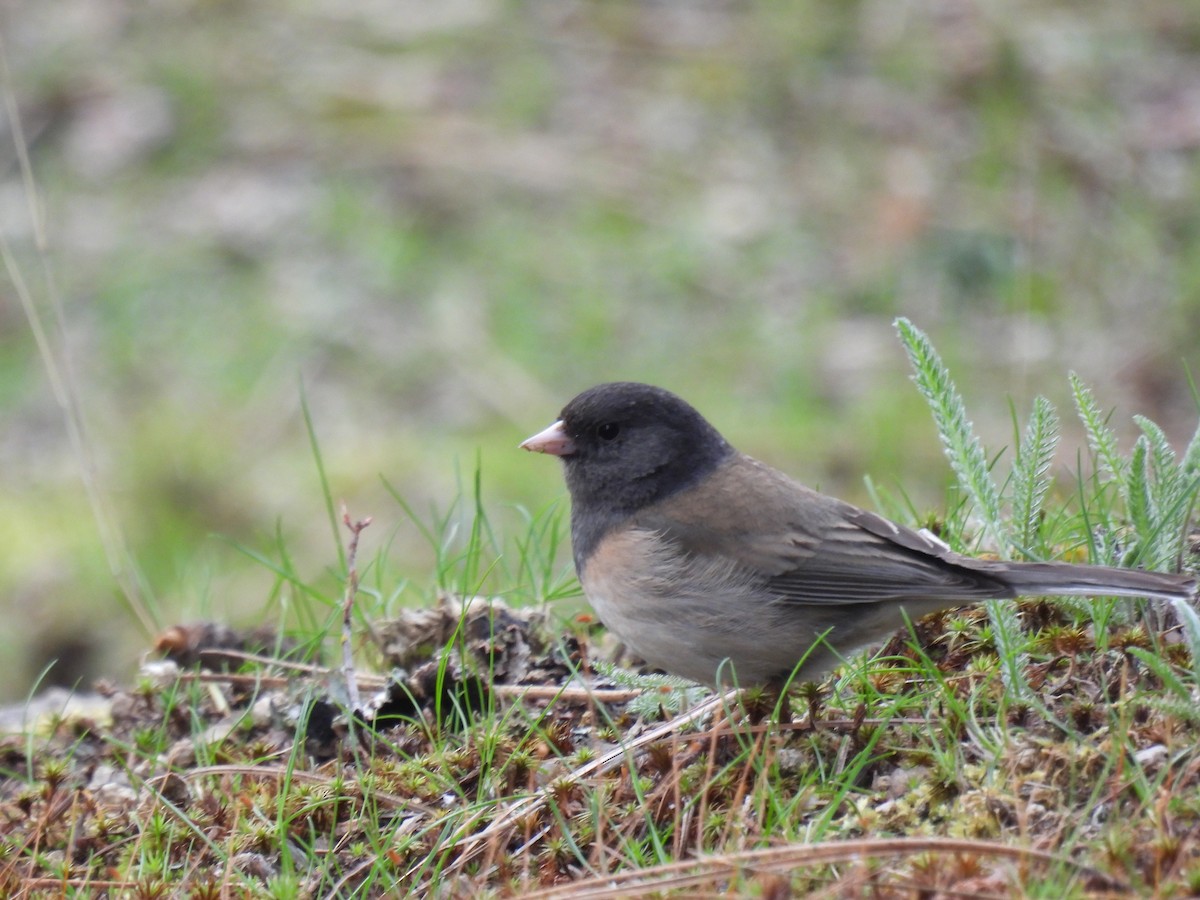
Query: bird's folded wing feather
(811,548)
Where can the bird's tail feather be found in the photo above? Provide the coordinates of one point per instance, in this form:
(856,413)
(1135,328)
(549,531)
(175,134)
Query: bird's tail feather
(1064,578)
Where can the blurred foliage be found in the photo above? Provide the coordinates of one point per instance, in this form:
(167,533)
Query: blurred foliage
(445,219)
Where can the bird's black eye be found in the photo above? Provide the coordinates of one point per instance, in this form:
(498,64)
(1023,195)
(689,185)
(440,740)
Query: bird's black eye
(608,431)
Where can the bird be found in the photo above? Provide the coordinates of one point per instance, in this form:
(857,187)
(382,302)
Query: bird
(718,568)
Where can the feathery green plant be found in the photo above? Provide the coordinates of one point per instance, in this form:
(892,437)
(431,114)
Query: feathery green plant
(963,447)
(1031,476)
(1190,621)
(965,452)
(1145,524)
(1101,438)
(1157,490)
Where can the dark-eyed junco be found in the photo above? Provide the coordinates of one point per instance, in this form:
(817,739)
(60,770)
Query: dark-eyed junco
(716,567)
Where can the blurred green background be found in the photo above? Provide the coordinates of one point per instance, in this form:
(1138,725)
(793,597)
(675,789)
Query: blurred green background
(444,219)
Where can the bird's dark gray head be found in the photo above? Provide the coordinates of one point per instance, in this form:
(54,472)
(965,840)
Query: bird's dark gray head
(625,446)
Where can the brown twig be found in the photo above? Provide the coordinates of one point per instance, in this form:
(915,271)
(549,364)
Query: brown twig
(703,872)
(371,681)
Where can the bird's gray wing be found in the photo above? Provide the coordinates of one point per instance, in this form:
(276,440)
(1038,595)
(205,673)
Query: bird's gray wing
(809,548)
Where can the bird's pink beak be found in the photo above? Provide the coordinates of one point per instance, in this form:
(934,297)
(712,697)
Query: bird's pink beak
(554,440)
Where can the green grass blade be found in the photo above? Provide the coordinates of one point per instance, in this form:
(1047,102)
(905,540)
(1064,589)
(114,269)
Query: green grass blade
(319,461)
